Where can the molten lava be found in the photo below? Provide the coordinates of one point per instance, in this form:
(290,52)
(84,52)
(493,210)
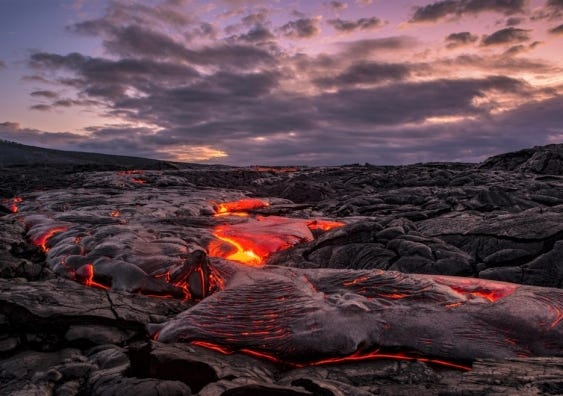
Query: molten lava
(355,357)
(241,205)
(252,242)
(42,239)
(240,253)
(477,288)
(12,204)
(323,225)
(85,275)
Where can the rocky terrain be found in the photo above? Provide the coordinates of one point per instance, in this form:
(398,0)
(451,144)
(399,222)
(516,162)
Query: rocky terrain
(120,281)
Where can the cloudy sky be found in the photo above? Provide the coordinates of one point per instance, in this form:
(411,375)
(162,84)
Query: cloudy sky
(312,82)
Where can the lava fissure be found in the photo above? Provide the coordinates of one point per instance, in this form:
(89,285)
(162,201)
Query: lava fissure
(358,356)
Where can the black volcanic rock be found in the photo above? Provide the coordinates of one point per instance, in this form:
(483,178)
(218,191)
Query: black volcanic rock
(541,159)
(133,231)
(20,155)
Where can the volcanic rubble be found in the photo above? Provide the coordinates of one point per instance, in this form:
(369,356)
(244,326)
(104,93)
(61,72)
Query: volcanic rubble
(437,278)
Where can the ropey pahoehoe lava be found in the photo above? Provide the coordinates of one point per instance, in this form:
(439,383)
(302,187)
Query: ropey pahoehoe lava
(213,247)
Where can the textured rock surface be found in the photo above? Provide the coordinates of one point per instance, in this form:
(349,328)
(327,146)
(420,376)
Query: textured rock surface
(500,220)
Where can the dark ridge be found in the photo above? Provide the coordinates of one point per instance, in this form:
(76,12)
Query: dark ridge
(546,160)
(17,155)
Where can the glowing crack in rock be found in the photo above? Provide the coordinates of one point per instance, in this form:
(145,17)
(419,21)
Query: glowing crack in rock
(42,239)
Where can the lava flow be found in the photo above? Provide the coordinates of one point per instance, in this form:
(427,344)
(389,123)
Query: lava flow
(252,242)
(12,204)
(42,239)
(355,357)
(85,275)
(240,207)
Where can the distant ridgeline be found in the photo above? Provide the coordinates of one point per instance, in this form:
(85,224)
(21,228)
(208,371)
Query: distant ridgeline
(16,154)
(27,168)
(540,159)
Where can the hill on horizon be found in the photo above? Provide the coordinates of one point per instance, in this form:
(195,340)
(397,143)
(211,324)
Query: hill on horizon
(14,154)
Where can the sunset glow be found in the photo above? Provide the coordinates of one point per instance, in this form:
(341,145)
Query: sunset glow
(255,82)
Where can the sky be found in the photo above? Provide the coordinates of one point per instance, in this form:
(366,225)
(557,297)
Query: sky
(251,82)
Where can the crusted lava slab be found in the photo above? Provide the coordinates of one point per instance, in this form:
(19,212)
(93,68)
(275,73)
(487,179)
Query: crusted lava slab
(303,316)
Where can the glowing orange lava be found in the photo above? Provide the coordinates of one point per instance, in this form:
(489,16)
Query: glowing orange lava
(42,240)
(241,205)
(252,242)
(138,181)
(85,274)
(478,288)
(114,213)
(241,254)
(355,357)
(323,225)
(13,204)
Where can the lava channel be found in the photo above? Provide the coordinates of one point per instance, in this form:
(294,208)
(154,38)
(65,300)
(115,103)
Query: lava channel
(252,242)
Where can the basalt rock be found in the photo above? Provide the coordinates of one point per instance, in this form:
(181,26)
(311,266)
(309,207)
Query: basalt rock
(303,315)
(79,243)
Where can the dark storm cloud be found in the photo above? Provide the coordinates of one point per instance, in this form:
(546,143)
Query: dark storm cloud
(136,40)
(514,21)
(45,94)
(441,9)
(506,36)
(552,10)
(470,140)
(557,30)
(119,139)
(363,48)
(259,17)
(358,24)
(302,28)
(111,80)
(367,73)
(123,71)
(454,40)
(194,118)
(435,11)
(498,64)
(14,132)
(73,102)
(40,107)
(521,48)
(256,34)
(139,41)
(412,102)
(338,5)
